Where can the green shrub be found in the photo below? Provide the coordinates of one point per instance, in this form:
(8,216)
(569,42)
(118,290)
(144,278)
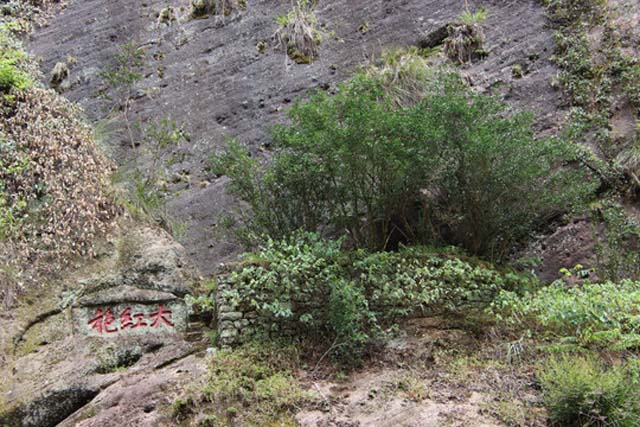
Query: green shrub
(454,167)
(593,314)
(568,12)
(11,78)
(12,60)
(618,253)
(582,391)
(578,70)
(308,286)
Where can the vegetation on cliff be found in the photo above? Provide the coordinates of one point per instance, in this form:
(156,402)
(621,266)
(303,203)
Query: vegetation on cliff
(401,193)
(55,201)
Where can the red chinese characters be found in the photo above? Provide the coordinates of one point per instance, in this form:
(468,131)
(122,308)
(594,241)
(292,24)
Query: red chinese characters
(126,320)
(104,322)
(160,315)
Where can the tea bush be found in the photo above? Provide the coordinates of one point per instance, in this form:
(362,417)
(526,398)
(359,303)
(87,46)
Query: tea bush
(594,314)
(582,391)
(454,167)
(307,285)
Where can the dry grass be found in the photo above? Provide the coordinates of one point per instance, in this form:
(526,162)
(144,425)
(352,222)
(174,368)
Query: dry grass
(405,74)
(202,8)
(466,37)
(59,73)
(464,43)
(298,33)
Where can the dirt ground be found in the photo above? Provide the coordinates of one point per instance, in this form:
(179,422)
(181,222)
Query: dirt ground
(435,374)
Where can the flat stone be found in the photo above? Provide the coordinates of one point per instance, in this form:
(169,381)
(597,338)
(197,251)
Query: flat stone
(225,309)
(122,294)
(242,323)
(228,333)
(234,315)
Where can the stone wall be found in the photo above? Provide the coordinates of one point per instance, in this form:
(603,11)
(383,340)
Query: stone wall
(235,323)
(238,321)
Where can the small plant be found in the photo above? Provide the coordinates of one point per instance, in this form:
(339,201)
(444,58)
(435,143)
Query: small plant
(204,8)
(121,76)
(631,79)
(182,408)
(517,72)
(167,15)
(473,18)
(298,33)
(411,385)
(352,320)
(581,391)
(146,185)
(210,421)
(404,74)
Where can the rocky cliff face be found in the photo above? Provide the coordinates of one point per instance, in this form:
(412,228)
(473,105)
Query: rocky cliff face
(219,77)
(110,331)
(216,77)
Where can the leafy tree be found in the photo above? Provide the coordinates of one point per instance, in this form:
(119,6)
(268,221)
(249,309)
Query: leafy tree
(454,167)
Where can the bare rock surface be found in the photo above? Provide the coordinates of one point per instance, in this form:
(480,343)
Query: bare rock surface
(119,320)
